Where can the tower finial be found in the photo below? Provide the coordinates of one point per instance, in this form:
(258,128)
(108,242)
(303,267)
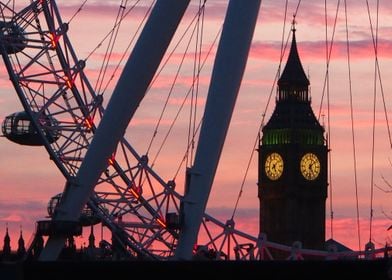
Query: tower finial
(293,23)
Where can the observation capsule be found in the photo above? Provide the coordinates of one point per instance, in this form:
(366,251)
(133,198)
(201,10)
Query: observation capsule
(19,128)
(12,37)
(87,217)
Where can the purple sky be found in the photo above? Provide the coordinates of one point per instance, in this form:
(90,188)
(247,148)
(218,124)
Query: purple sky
(28,178)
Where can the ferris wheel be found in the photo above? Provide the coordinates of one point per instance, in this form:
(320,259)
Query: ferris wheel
(63,112)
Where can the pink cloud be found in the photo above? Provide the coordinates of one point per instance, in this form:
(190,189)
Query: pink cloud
(12,218)
(359,50)
(346,232)
(102,9)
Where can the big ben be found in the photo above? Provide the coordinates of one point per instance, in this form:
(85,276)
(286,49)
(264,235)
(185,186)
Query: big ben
(293,180)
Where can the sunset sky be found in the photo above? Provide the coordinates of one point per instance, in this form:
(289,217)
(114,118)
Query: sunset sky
(28,178)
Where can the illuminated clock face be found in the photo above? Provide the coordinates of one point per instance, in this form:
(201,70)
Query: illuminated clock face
(274,166)
(310,166)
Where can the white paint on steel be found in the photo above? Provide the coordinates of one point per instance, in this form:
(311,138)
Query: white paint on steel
(229,66)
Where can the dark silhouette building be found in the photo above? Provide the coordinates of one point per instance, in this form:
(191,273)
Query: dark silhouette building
(21,251)
(292,184)
(91,238)
(6,254)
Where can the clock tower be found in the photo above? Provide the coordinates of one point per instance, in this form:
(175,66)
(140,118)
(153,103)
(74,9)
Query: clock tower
(292,184)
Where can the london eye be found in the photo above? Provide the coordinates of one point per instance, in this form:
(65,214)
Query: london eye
(83,130)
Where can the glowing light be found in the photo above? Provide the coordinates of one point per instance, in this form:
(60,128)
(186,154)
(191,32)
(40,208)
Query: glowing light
(68,82)
(112,160)
(160,222)
(53,40)
(89,122)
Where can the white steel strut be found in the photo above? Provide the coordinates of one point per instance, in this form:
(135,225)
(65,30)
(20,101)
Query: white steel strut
(128,93)
(229,66)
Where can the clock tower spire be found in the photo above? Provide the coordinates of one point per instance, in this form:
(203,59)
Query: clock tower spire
(292,184)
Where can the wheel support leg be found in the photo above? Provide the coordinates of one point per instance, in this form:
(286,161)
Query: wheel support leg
(226,79)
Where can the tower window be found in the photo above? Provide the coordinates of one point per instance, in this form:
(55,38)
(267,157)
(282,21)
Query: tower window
(287,136)
(293,94)
(276,137)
